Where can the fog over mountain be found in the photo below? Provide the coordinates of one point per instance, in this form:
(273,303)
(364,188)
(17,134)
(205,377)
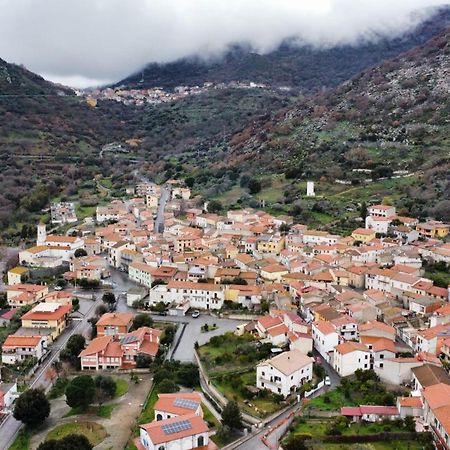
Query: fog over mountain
(90,42)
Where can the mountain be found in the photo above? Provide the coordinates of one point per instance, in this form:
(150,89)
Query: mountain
(49,142)
(305,68)
(394,117)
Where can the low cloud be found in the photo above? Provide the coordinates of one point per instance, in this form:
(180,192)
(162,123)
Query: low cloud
(92,42)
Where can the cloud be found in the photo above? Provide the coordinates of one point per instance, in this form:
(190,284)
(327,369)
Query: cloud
(85,42)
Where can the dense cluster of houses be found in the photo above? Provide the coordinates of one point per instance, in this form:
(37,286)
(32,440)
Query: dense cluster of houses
(361,301)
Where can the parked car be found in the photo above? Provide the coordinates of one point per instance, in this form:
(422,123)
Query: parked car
(195,314)
(58,288)
(327,381)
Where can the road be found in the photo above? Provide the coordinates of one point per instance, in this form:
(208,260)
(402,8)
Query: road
(159,221)
(11,426)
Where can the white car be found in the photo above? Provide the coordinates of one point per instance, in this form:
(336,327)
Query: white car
(58,288)
(327,381)
(196,314)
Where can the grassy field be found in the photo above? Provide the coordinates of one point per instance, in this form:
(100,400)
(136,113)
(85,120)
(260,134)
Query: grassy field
(22,441)
(331,401)
(259,407)
(148,413)
(92,430)
(391,445)
(209,417)
(121,387)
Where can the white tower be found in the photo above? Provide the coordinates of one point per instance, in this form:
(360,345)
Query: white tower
(41,234)
(310,189)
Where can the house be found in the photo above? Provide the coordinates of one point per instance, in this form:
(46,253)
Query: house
(436,402)
(178,433)
(17,348)
(284,373)
(273,272)
(433,229)
(325,338)
(351,356)
(25,294)
(410,406)
(270,244)
(397,371)
(364,235)
(374,328)
(370,413)
(107,352)
(114,324)
(199,295)
(430,339)
(429,375)
(178,404)
(17,275)
(50,316)
(381,211)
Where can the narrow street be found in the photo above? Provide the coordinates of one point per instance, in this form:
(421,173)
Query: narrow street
(159,221)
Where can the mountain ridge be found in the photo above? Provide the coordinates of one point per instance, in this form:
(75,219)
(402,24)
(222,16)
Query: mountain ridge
(304,68)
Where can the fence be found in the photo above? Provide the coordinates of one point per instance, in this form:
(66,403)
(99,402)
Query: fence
(312,391)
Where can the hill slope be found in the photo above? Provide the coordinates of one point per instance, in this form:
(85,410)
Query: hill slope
(303,67)
(392,117)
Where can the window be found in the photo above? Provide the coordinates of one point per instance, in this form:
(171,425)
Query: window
(158,417)
(381,356)
(200,441)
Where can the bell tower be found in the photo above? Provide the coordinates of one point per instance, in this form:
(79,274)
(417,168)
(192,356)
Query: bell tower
(41,234)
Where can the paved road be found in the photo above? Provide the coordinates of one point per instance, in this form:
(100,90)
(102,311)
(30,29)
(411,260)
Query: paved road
(159,221)
(11,426)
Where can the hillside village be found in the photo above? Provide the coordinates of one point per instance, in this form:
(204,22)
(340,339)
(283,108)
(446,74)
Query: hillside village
(348,304)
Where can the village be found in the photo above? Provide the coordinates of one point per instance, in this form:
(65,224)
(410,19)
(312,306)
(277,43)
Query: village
(159,95)
(297,314)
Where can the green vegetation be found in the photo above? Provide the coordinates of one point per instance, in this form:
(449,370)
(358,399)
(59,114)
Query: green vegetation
(229,352)
(105,411)
(364,389)
(95,432)
(59,388)
(121,387)
(22,441)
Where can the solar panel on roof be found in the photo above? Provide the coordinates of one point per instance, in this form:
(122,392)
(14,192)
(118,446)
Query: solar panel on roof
(176,427)
(185,403)
(128,339)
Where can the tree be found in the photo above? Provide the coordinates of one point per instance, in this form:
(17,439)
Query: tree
(75,345)
(69,442)
(80,392)
(168,335)
(296,442)
(105,388)
(167,387)
(214,206)
(254,186)
(143,361)
(32,407)
(79,252)
(142,320)
(231,416)
(284,228)
(109,298)
(363,210)
(189,181)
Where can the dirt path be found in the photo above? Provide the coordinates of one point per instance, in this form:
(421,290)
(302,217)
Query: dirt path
(119,427)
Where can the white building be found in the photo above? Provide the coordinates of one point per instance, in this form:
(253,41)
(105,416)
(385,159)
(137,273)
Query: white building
(199,295)
(349,357)
(178,404)
(177,433)
(284,373)
(17,348)
(325,338)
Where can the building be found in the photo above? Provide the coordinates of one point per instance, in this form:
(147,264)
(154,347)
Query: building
(17,275)
(178,433)
(364,235)
(433,229)
(178,404)
(108,352)
(199,295)
(325,338)
(17,348)
(114,324)
(284,373)
(349,357)
(50,316)
(8,394)
(25,294)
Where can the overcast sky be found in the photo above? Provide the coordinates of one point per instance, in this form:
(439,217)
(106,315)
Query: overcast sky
(87,42)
